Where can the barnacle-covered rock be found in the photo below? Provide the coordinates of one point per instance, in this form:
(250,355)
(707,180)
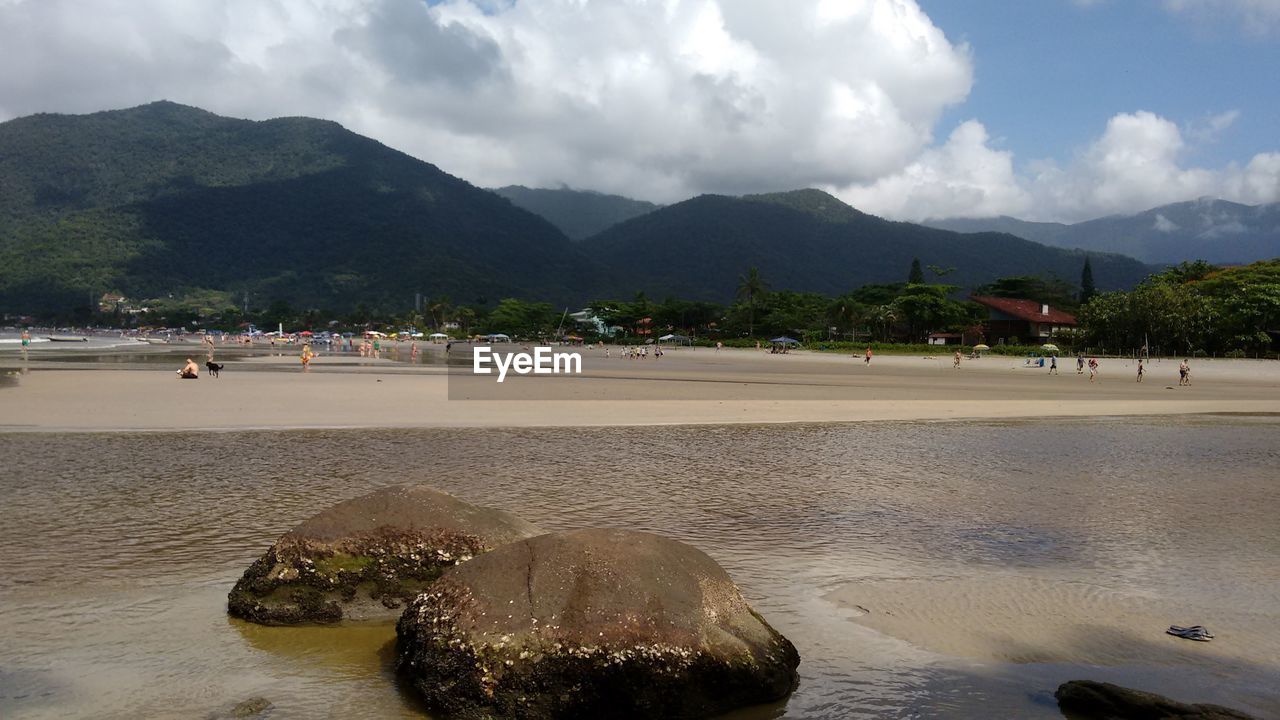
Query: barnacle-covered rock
(367,557)
(593,623)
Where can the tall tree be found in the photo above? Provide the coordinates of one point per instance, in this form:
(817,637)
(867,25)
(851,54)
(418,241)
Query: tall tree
(750,287)
(1087,289)
(916,277)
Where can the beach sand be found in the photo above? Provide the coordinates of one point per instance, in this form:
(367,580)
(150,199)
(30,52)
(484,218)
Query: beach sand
(688,386)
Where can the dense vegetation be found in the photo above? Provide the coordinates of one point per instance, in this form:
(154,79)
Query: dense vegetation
(165,200)
(808,241)
(578,213)
(1191,309)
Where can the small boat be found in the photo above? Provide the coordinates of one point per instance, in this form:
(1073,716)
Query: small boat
(65,338)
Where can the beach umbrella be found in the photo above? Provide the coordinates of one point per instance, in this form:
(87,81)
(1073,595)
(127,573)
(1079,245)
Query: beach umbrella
(784,340)
(1050,347)
(305,333)
(981,347)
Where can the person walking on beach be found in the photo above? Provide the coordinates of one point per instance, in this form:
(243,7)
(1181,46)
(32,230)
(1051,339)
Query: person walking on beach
(1141,370)
(306,357)
(1053,364)
(1184,372)
(1079,364)
(955,360)
(866,360)
(718,346)
(1093,368)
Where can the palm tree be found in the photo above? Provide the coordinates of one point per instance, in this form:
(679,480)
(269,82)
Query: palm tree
(750,287)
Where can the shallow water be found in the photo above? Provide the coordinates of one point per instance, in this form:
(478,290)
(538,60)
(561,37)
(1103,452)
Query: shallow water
(120,548)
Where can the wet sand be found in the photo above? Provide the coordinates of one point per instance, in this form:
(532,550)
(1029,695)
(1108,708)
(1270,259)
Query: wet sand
(688,386)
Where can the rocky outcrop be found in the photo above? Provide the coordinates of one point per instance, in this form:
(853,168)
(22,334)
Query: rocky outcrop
(1089,700)
(593,623)
(367,557)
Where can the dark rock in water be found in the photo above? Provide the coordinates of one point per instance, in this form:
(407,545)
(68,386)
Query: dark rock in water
(1089,700)
(367,557)
(251,707)
(593,623)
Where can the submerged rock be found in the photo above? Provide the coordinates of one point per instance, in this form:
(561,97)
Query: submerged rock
(367,557)
(252,707)
(593,623)
(1089,700)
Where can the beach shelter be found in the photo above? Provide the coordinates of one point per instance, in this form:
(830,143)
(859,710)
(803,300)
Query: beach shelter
(675,339)
(437,337)
(784,340)
(980,348)
(498,337)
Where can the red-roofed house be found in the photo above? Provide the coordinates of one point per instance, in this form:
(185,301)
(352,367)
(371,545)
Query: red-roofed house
(1011,320)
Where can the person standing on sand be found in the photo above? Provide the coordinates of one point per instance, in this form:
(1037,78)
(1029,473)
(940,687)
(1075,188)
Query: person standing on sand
(1053,364)
(718,346)
(1184,372)
(955,360)
(306,357)
(1079,364)
(1093,368)
(867,358)
(1141,370)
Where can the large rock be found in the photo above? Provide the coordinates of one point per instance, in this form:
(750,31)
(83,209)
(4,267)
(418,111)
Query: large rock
(1089,700)
(367,557)
(593,623)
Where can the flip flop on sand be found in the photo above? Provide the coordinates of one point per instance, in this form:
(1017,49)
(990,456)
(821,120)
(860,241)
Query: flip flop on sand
(1195,632)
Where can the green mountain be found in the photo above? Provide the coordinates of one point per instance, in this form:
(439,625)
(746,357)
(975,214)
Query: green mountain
(578,213)
(1213,230)
(166,199)
(807,240)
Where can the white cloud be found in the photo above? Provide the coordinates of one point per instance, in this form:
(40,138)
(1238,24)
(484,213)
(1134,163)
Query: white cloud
(1257,17)
(1136,164)
(1165,225)
(962,178)
(653,98)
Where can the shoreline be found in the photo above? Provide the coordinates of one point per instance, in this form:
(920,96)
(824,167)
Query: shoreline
(685,388)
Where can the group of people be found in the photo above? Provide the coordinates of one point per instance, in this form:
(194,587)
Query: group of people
(637,353)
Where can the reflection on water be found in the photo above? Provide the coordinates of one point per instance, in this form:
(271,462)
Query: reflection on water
(120,548)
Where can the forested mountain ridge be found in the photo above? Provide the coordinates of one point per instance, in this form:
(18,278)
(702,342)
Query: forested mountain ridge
(164,198)
(578,213)
(1213,230)
(807,240)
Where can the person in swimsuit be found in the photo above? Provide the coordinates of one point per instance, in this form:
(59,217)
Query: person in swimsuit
(190,371)
(867,359)
(1141,370)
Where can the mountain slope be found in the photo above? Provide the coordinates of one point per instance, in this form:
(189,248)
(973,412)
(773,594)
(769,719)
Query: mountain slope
(165,198)
(810,241)
(1214,230)
(578,213)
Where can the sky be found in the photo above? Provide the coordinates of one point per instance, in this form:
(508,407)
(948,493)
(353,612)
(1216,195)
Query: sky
(1058,110)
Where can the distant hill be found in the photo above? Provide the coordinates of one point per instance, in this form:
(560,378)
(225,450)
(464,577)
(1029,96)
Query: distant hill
(1214,230)
(809,240)
(165,198)
(578,213)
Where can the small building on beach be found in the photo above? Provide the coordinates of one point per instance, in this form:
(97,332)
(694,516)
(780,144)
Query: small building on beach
(1012,320)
